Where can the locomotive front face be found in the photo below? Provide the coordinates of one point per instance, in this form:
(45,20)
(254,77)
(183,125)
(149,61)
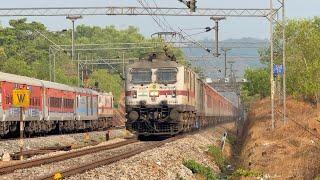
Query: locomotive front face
(152,87)
(153,93)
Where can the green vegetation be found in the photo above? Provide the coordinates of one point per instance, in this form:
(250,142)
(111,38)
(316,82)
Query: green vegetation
(246,173)
(232,139)
(198,168)
(303,62)
(178,177)
(218,157)
(24,51)
(107,81)
(259,83)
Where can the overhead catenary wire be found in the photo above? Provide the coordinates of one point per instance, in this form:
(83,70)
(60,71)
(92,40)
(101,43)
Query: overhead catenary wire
(151,14)
(184,34)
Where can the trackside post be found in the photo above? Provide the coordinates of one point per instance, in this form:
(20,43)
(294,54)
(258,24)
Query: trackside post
(21,99)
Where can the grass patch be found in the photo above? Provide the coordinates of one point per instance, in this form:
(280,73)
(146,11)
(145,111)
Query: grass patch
(232,139)
(198,168)
(246,173)
(178,177)
(218,157)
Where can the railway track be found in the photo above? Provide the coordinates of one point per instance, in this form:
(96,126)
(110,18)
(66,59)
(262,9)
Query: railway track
(83,167)
(60,157)
(106,161)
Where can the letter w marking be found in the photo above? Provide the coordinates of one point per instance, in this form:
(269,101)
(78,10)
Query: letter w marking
(21,97)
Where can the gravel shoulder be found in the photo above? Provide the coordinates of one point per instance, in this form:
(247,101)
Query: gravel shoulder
(165,162)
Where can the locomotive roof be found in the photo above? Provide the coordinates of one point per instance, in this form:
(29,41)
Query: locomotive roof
(155,61)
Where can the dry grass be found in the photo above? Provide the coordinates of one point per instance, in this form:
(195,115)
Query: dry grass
(288,152)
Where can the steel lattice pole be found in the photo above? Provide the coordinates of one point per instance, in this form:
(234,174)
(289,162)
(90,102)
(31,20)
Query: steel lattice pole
(284,59)
(271,65)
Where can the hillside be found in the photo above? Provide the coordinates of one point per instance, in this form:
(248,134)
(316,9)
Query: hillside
(244,53)
(290,151)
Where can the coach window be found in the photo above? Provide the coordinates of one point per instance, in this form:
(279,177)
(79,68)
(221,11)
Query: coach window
(55,102)
(68,103)
(141,76)
(167,76)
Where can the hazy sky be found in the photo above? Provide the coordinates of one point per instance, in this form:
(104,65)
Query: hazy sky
(230,28)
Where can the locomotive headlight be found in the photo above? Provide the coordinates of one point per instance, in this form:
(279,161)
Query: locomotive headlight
(134,94)
(174,93)
(154,94)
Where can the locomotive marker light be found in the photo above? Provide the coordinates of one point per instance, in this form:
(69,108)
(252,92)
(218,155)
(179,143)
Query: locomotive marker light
(21,99)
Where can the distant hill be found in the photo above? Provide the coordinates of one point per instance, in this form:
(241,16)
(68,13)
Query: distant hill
(247,39)
(244,54)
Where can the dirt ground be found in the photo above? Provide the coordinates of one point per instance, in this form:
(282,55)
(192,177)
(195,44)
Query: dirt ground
(291,150)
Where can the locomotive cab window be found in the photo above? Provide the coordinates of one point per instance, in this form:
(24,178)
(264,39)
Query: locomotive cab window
(167,76)
(141,76)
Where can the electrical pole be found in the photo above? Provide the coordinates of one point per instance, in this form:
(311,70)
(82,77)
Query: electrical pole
(216,20)
(73,18)
(271,65)
(225,50)
(284,60)
(50,64)
(78,70)
(54,66)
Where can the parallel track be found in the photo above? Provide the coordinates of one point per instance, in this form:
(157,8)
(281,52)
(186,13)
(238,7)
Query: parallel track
(106,161)
(60,157)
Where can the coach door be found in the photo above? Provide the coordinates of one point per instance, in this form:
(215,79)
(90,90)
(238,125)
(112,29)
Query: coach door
(87,105)
(91,105)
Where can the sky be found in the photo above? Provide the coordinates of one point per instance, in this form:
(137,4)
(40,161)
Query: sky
(231,28)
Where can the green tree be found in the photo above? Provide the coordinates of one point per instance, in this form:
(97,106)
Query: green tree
(107,82)
(24,52)
(258,82)
(303,58)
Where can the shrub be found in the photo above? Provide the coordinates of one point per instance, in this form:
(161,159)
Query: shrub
(198,168)
(247,173)
(218,157)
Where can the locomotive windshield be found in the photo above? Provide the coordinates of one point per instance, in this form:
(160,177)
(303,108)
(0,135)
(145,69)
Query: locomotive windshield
(141,76)
(167,76)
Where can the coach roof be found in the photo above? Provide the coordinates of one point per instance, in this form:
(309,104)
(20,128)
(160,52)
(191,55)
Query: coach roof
(19,79)
(53,85)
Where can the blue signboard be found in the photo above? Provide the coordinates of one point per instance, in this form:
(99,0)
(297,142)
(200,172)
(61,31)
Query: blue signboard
(278,69)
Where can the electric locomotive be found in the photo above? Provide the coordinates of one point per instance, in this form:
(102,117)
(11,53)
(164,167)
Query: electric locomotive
(164,97)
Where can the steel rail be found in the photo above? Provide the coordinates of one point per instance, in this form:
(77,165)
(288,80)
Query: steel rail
(60,157)
(106,161)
